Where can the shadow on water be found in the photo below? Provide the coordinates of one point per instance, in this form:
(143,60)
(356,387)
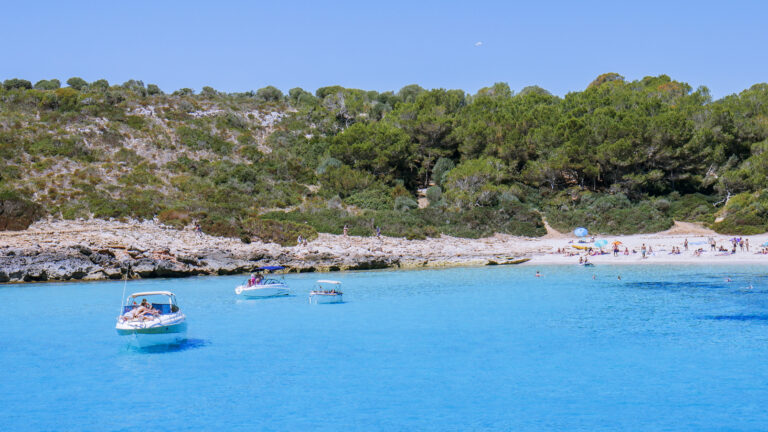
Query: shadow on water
(673,286)
(738,317)
(186,344)
(250,299)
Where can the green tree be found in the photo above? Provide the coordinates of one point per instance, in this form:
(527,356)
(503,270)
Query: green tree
(17,83)
(269,94)
(52,84)
(77,83)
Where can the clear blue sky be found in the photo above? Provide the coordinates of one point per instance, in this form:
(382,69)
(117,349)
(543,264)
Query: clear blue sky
(384,45)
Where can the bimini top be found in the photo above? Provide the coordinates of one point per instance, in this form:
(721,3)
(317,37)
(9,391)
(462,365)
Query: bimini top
(329,282)
(271,268)
(149,293)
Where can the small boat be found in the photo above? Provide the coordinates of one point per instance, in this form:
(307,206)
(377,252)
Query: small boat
(324,294)
(264,287)
(508,261)
(157,320)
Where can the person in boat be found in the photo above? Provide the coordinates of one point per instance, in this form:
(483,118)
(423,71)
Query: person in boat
(139,312)
(252,280)
(258,280)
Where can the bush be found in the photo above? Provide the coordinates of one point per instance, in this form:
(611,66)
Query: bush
(284,233)
(16,83)
(405,203)
(435,196)
(605,214)
(745,214)
(197,139)
(175,218)
(377,197)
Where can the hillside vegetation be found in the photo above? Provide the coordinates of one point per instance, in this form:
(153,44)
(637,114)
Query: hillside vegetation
(618,157)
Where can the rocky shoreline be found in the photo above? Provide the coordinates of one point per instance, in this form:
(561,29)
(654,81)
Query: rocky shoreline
(104,250)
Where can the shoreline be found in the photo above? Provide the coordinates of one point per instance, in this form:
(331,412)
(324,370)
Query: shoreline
(89,250)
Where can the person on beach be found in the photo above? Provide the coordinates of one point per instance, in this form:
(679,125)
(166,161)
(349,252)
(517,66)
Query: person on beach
(746,243)
(616,249)
(685,244)
(299,240)
(643,250)
(346,230)
(626,251)
(378,232)
(741,245)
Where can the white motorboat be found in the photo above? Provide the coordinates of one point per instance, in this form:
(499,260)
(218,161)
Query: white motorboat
(327,292)
(156,320)
(261,287)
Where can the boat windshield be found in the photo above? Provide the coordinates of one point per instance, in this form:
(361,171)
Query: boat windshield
(164,303)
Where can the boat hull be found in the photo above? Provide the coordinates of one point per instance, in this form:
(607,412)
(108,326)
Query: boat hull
(263,291)
(325,298)
(156,332)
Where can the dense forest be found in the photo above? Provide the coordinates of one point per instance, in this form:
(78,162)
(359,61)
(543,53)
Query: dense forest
(618,157)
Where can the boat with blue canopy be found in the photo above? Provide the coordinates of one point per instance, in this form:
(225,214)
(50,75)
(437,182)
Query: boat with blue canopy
(259,285)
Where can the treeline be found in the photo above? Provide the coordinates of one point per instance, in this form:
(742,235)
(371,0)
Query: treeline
(619,157)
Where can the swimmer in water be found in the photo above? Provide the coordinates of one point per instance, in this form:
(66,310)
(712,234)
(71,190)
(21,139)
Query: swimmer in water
(619,277)
(538,274)
(594,277)
(728,279)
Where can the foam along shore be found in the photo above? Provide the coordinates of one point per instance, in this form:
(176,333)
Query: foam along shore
(98,250)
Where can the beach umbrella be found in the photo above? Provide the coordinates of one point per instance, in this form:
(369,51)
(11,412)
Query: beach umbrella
(580,232)
(765,244)
(601,243)
(616,243)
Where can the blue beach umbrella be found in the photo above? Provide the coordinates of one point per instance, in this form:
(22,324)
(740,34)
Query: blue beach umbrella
(601,243)
(580,232)
(765,244)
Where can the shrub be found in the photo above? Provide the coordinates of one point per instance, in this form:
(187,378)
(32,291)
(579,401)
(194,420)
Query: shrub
(435,196)
(284,233)
(16,83)
(404,203)
(198,139)
(175,218)
(77,83)
(136,122)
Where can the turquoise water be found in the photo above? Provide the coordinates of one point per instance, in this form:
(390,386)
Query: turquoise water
(665,348)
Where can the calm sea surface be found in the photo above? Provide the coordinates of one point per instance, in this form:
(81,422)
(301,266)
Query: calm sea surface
(664,348)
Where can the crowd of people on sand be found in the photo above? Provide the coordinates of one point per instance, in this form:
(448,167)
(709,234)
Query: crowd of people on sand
(729,247)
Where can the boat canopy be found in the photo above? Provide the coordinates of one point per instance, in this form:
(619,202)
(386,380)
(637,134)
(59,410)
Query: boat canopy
(271,268)
(329,282)
(149,293)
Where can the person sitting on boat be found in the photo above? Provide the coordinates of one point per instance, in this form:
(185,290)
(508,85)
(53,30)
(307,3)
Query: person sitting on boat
(252,280)
(139,312)
(258,280)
